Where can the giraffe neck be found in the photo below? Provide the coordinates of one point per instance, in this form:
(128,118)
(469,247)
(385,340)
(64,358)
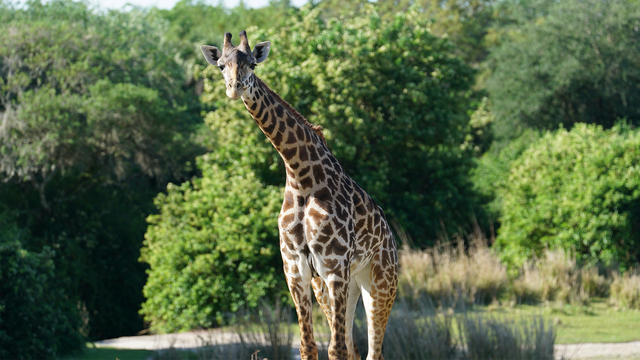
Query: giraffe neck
(300,144)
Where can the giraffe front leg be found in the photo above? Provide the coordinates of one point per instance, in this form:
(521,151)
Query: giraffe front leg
(301,293)
(338,289)
(322,295)
(378,285)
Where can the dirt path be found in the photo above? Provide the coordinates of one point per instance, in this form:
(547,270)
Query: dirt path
(627,351)
(195,339)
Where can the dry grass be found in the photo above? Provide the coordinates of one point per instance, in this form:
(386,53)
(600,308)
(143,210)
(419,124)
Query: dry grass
(470,273)
(450,274)
(625,290)
(557,278)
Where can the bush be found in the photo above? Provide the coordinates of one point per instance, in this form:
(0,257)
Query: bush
(421,334)
(36,319)
(625,290)
(213,249)
(575,190)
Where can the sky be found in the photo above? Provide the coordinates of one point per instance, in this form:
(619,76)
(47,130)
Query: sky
(168,4)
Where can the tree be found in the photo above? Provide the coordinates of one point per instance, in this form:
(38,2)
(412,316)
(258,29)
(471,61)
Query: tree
(575,190)
(96,119)
(193,23)
(465,23)
(36,321)
(566,62)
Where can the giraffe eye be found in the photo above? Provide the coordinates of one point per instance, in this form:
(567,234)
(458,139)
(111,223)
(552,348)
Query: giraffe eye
(221,67)
(252,66)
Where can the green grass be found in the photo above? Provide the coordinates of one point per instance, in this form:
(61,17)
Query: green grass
(596,322)
(91,353)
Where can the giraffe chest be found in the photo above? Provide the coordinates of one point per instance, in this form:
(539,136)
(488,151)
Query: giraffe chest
(323,227)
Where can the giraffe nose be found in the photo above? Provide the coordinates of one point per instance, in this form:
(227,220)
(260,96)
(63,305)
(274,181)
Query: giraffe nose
(234,90)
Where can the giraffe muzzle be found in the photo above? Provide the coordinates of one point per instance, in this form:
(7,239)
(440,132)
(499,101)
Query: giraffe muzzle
(235,90)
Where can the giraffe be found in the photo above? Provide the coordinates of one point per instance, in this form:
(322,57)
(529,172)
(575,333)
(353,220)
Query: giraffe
(333,237)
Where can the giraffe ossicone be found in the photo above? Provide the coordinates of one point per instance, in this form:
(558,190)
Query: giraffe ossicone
(333,237)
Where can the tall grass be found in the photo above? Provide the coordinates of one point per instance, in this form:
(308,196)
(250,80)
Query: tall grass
(556,277)
(449,274)
(492,337)
(467,271)
(420,330)
(625,290)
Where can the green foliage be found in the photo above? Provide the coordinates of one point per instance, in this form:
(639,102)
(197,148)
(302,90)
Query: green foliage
(493,169)
(36,320)
(94,92)
(212,249)
(95,120)
(392,100)
(565,62)
(193,23)
(575,190)
(465,23)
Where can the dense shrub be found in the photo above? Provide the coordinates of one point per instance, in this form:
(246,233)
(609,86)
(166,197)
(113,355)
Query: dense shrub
(575,190)
(493,168)
(213,249)
(36,319)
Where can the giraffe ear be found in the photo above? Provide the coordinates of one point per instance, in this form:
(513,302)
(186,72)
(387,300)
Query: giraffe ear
(211,53)
(261,51)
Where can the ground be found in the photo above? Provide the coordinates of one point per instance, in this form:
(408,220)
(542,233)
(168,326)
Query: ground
(595,331)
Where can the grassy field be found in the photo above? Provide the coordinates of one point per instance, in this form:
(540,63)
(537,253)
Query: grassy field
(596,322)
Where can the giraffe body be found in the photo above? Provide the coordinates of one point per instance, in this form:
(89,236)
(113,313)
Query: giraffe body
(333,237)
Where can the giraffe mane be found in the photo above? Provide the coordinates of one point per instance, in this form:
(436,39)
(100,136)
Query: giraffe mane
(316,128)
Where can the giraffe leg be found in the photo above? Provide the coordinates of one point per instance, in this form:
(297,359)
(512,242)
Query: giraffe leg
(338,288)
(322,295)
(352,302)
(378,286)
(301,294)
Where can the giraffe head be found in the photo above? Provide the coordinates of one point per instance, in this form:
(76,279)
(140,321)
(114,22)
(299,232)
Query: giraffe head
(236,62)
